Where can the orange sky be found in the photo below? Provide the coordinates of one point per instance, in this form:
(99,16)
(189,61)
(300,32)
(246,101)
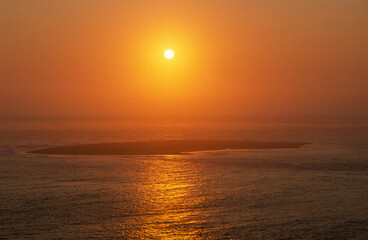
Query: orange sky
(71,57)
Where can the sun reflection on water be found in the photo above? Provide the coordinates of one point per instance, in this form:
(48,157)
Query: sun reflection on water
(169,199)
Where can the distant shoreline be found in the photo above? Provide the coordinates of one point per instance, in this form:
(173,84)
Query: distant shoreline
(163,147)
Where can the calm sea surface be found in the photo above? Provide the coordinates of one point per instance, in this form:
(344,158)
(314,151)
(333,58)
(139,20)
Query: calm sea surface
(316,192)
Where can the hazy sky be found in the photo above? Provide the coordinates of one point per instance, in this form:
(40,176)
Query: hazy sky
(231,57)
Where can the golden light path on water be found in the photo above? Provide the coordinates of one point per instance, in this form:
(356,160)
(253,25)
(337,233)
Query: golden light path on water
(169,200)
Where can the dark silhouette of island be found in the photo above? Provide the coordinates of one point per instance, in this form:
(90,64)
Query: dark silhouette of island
(163,147)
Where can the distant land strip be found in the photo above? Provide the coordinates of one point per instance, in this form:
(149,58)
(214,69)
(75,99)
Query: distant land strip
(163,147)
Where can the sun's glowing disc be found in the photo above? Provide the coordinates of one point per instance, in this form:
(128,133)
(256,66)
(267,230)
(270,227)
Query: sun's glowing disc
(169,54)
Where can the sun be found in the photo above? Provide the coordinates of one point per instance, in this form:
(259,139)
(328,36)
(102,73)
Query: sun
(169,54)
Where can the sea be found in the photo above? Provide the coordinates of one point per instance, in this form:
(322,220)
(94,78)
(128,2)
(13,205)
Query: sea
(319,191)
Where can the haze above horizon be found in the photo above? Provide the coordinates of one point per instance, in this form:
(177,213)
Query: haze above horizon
(81,58)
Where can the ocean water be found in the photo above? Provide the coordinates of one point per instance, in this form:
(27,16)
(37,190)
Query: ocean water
(319,191)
